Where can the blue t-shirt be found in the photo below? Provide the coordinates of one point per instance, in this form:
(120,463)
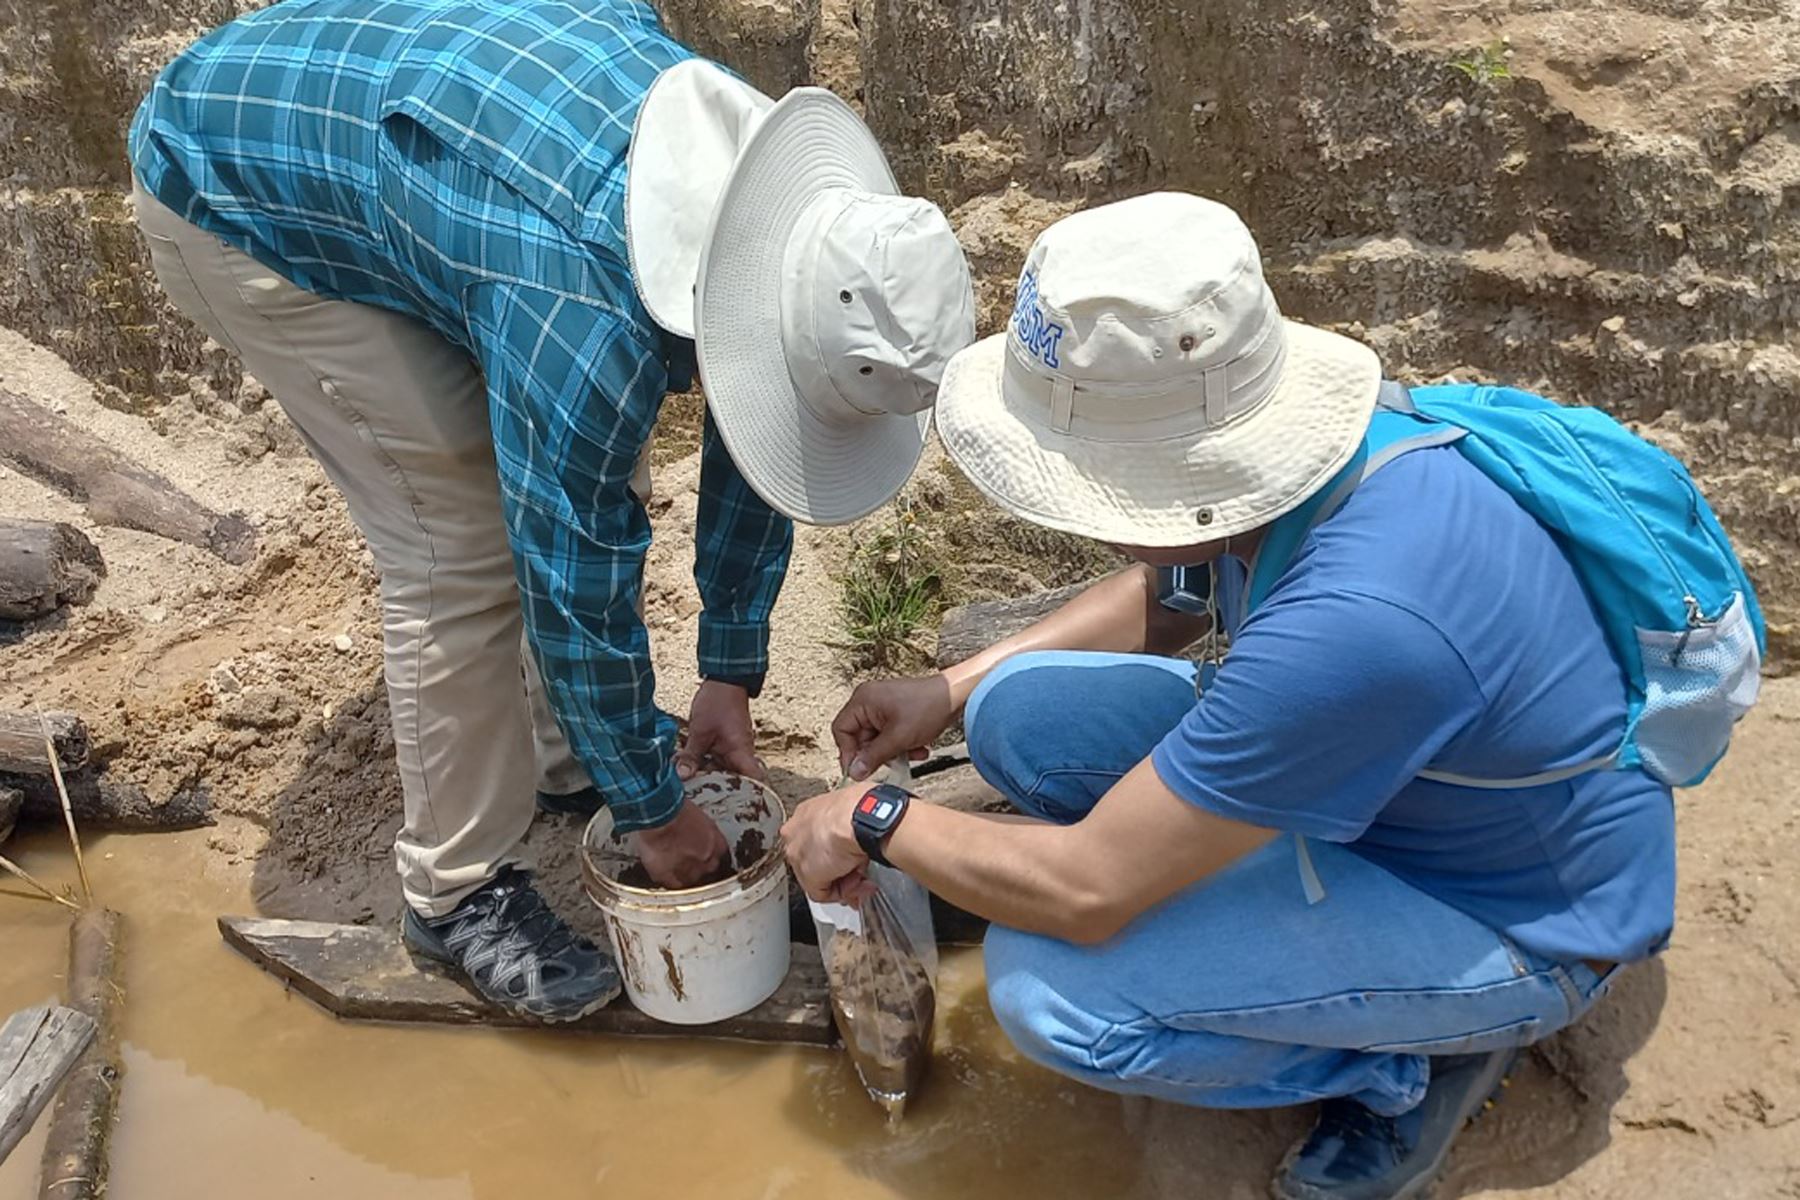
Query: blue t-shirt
(1432,624)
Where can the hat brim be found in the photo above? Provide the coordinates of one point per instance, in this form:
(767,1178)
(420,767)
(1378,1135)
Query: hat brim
(684,143)
(1183,491)
(816,470)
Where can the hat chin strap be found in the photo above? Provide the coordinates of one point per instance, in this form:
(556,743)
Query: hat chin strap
(800,345)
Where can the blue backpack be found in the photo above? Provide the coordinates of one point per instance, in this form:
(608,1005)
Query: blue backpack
(1678,610)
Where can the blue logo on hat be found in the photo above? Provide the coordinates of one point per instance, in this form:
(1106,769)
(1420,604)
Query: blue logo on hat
(1036,331)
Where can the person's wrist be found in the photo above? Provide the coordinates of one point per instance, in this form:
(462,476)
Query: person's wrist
(669,803)
(656,835)
(750,685)
(843,829)
(670,831)
(960,681)
(878,812)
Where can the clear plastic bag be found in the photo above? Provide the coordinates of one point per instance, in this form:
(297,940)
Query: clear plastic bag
(881,960)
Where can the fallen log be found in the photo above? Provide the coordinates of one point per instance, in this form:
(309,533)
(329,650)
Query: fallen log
(947,778)
(12,802)
(101,802)
(362,973)
(971,628)
(116,490)
(75,1152)
(38,1046)
(43,566)
(22,749)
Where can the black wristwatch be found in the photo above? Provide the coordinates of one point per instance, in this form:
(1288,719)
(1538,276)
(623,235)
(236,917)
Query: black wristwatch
(875,816)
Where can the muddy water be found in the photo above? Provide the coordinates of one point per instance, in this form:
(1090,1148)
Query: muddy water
(234,1087)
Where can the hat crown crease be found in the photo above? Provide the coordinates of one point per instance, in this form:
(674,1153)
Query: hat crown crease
(1203,337)
(1152,387)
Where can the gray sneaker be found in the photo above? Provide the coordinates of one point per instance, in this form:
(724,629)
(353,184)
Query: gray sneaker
(1355,1154)
(584,803)
(504,942)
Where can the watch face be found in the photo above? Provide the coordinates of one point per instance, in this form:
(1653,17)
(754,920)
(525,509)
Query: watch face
(878,809)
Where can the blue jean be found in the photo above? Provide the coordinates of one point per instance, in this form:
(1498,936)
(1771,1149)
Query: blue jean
(1237,993)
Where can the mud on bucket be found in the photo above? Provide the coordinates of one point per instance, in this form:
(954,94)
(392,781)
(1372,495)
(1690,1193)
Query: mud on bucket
(701,954)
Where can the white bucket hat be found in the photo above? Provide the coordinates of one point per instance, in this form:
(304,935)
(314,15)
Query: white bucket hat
(1147,391)
(825,306)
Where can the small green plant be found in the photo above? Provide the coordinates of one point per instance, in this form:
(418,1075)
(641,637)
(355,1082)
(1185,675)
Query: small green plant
(890,590)
(1485,65)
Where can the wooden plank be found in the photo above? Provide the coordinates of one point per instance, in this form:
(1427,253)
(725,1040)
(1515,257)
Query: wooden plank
(116,490)
(43,566)
(22,743)
(38,1046)
(75,1162)
(363,973)
(971,628)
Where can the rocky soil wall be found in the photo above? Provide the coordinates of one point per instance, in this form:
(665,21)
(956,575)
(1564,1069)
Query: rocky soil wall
(1615,218)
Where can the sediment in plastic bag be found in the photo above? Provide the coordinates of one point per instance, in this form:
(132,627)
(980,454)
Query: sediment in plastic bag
(884,1002)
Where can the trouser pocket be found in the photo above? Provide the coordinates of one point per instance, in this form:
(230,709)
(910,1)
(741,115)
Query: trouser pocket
(168,260)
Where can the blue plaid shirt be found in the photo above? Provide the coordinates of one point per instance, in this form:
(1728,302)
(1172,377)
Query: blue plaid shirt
(464,163)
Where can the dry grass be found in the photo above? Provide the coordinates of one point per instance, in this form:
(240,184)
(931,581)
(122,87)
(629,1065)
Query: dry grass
(891,590)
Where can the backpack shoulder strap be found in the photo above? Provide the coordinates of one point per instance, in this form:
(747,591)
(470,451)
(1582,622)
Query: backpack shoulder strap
(1395,397)
(1397,428)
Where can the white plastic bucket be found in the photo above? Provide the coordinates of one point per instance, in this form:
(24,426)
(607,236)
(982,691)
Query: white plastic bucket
(701,954)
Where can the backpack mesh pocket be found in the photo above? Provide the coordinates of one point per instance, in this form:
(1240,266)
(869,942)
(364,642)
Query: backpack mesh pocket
(1697,683)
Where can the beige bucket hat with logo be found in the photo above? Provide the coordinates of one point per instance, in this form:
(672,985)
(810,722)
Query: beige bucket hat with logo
(824,305)
(1147,391)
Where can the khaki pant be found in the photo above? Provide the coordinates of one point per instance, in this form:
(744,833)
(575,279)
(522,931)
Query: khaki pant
(398,418)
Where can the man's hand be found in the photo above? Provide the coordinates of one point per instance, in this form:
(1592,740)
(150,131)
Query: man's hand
(886,718)
(719,735)
(821,847)
(687,852)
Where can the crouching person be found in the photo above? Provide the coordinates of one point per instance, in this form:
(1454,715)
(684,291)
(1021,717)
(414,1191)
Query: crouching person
(1401,831)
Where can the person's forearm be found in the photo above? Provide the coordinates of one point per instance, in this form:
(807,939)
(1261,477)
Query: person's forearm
(1083,882)
(1013,870)
(741,551)
(1119,614)
(582,625)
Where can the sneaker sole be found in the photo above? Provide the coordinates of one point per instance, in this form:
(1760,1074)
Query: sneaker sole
(1425,1184)
(577,804)
(430,964)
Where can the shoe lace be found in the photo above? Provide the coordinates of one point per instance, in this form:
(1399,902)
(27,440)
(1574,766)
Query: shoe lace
(513,919)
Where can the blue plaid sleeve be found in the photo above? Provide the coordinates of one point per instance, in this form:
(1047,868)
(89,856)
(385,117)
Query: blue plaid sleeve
(741,549)
(573,393)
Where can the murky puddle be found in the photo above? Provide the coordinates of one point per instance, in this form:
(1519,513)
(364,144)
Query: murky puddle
(234,1087)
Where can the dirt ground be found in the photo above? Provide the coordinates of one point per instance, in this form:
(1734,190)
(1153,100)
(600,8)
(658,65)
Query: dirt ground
(194,674)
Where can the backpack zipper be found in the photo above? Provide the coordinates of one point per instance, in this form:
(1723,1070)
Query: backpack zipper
(1696,616)
(1714,537)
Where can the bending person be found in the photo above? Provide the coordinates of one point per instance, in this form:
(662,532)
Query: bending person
(469,248)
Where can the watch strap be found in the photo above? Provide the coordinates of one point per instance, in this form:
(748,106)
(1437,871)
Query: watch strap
(875,817)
